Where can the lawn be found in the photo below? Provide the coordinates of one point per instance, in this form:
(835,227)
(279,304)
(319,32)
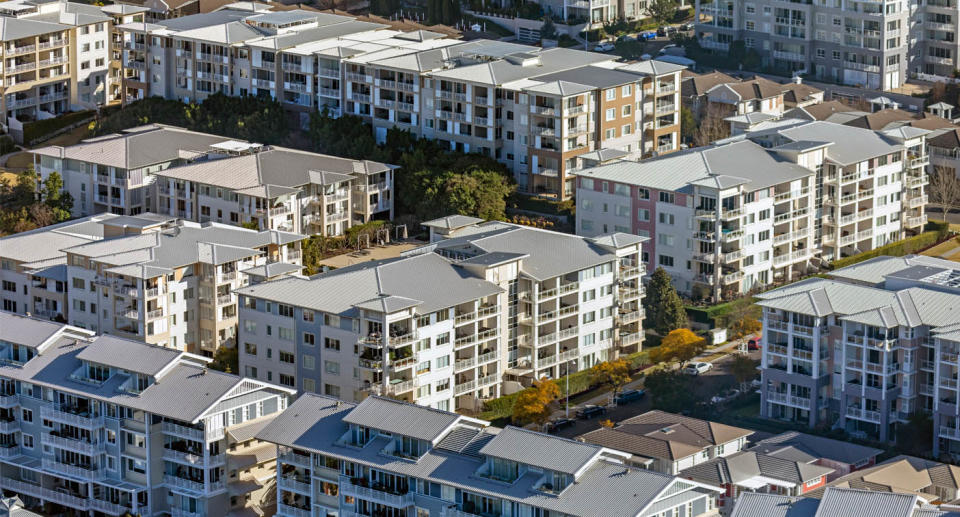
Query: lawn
(23,160)
(949,249)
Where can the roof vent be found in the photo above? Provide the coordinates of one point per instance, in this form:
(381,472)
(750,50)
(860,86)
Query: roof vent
(666,430)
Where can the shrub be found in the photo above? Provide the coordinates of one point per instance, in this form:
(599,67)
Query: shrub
(39,130)
(895,249)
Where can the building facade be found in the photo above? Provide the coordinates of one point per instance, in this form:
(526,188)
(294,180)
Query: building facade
(763,207)
(99,424)
(865,349)
(535,110)
(339,458)
(468,318)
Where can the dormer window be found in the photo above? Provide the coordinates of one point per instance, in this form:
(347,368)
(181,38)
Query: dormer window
(407,447)
(17,355)
(97,373)
(504,470)
(360,435)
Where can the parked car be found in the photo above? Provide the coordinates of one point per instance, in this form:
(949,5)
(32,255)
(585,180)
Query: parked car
(606,46)
(590,411)
(626,37)
(753,344)
(662,32)
(667,47)
(697,368)
(686,27)
(645,57)
(627,396)
(559,423)
(647,35)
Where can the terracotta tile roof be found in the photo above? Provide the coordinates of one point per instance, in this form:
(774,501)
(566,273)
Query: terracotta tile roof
(695,84)
(823,110)
(946,140)
(793,92)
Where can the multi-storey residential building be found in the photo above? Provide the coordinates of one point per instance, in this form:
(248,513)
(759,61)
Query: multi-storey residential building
(56,56)
(935,49)
(493,306)
(172,284)
(98,424)
(121,14)
(339,458)
(861,43)
(536,110)
(278,189)
(761,207)
(865,349)
(114,173)
(944,148)
(669,443)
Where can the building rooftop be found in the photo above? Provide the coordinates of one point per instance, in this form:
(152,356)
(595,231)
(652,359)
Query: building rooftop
(758,504)
(858,144)
(315,423)
(796,446)
(26,331)
(752,470)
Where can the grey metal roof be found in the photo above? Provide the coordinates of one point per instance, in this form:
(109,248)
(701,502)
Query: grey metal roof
(388,304)
(315,423)
(15,28)
(427,277)
(45,243)
(865,503)
(273,270)
(394,416)
(858,144)
(551,254)
(540,450)
(122,353)
(743,466)
(653,67)
(594,76)
(492,259)
(452,222)
(798,446)
(248,430)
(740,162)
(21,330)
(754,504)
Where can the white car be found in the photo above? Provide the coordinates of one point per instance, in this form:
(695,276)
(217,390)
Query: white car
(605,47)
(697,368)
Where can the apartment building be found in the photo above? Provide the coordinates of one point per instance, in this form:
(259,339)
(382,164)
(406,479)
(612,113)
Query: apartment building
(945,151)
(103,425)
(120,14)
(465,319)
(762,207)
(669,443)
(865,349)
(861,44)
(172,284)
(278,189)
(55,57)
(340,458)
(115,173)
(535,110)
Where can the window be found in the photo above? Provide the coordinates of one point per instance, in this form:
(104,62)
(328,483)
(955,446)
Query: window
(331,367)
(589,317)
(309,385)
(667,218)
(287,380)
(250,348)
(27,415)
(250,326)
(610,133)
(627,90)
(443,361)
(307,315)
(666,260)
(667,197)
(627,110)
(643,214)
(308,362)
(589,295)
(665,239)
(285,310)
(287,357)
(611,113)
(627,128)
(331,390)
(643,193)
(611,94)
(309,339)
(285,334)
(331,344)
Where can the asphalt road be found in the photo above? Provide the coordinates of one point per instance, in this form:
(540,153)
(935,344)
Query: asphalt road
(710,383)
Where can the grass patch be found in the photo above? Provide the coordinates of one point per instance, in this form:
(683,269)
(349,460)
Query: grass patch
(491,27)
(541,205)
(899,248)
(724,314)
(41,129)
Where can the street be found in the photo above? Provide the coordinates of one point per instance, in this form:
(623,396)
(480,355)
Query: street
(710,383)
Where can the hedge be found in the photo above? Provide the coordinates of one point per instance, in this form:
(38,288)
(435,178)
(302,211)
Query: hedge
(40,129)
(898,248)
(502,407)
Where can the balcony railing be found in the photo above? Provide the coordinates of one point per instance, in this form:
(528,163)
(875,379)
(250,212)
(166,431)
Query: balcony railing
(347,487)
(85,420)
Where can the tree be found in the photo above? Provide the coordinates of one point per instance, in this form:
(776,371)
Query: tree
(661,11)
(914,437)
(611,373)
(737,51)
(663,305)
(688,124)
(59,202)
(480,193)
(226,359)
(534,404)
(712,126)
(945,189)
(744,370)
(680,345)
(744,327)
(670,390)
(548,30)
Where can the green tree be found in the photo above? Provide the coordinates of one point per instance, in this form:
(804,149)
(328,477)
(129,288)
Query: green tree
(480,193)
(737,51)
(548,30)
(744,370)
(663,305)
(661,11)
(688,124)
(226,359)
(914,437)
(52,194)
(670,390)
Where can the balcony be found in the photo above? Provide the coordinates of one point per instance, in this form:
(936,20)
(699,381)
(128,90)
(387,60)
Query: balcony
(85,473)
(917,201)
(631,317)
(863,414)
(544,110)
(952,433)
(558,291)
(913,222)
(175,482)
(192,459)
(788,399)
(349,488)
(295,484)
(16,51)
(451,96)
(629,338)
(70,444)
(72,416)
(330,73)
(917,181)
(360,78)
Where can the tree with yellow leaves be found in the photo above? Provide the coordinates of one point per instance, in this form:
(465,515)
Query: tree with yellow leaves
(745,326)
(679,345)
(534,404)
(613,373)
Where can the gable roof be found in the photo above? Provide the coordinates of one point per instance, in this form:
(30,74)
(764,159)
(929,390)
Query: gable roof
(695,84)
(804,447)
(540,450)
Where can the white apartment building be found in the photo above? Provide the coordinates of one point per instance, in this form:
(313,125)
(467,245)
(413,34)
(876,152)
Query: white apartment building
(56,59)
(866,349)
(877,45)
(479,313)
(114,173)
(278,189)
(386,457)
(762,207)
(536,110)
(172,284)
(102,425)
(147,277)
